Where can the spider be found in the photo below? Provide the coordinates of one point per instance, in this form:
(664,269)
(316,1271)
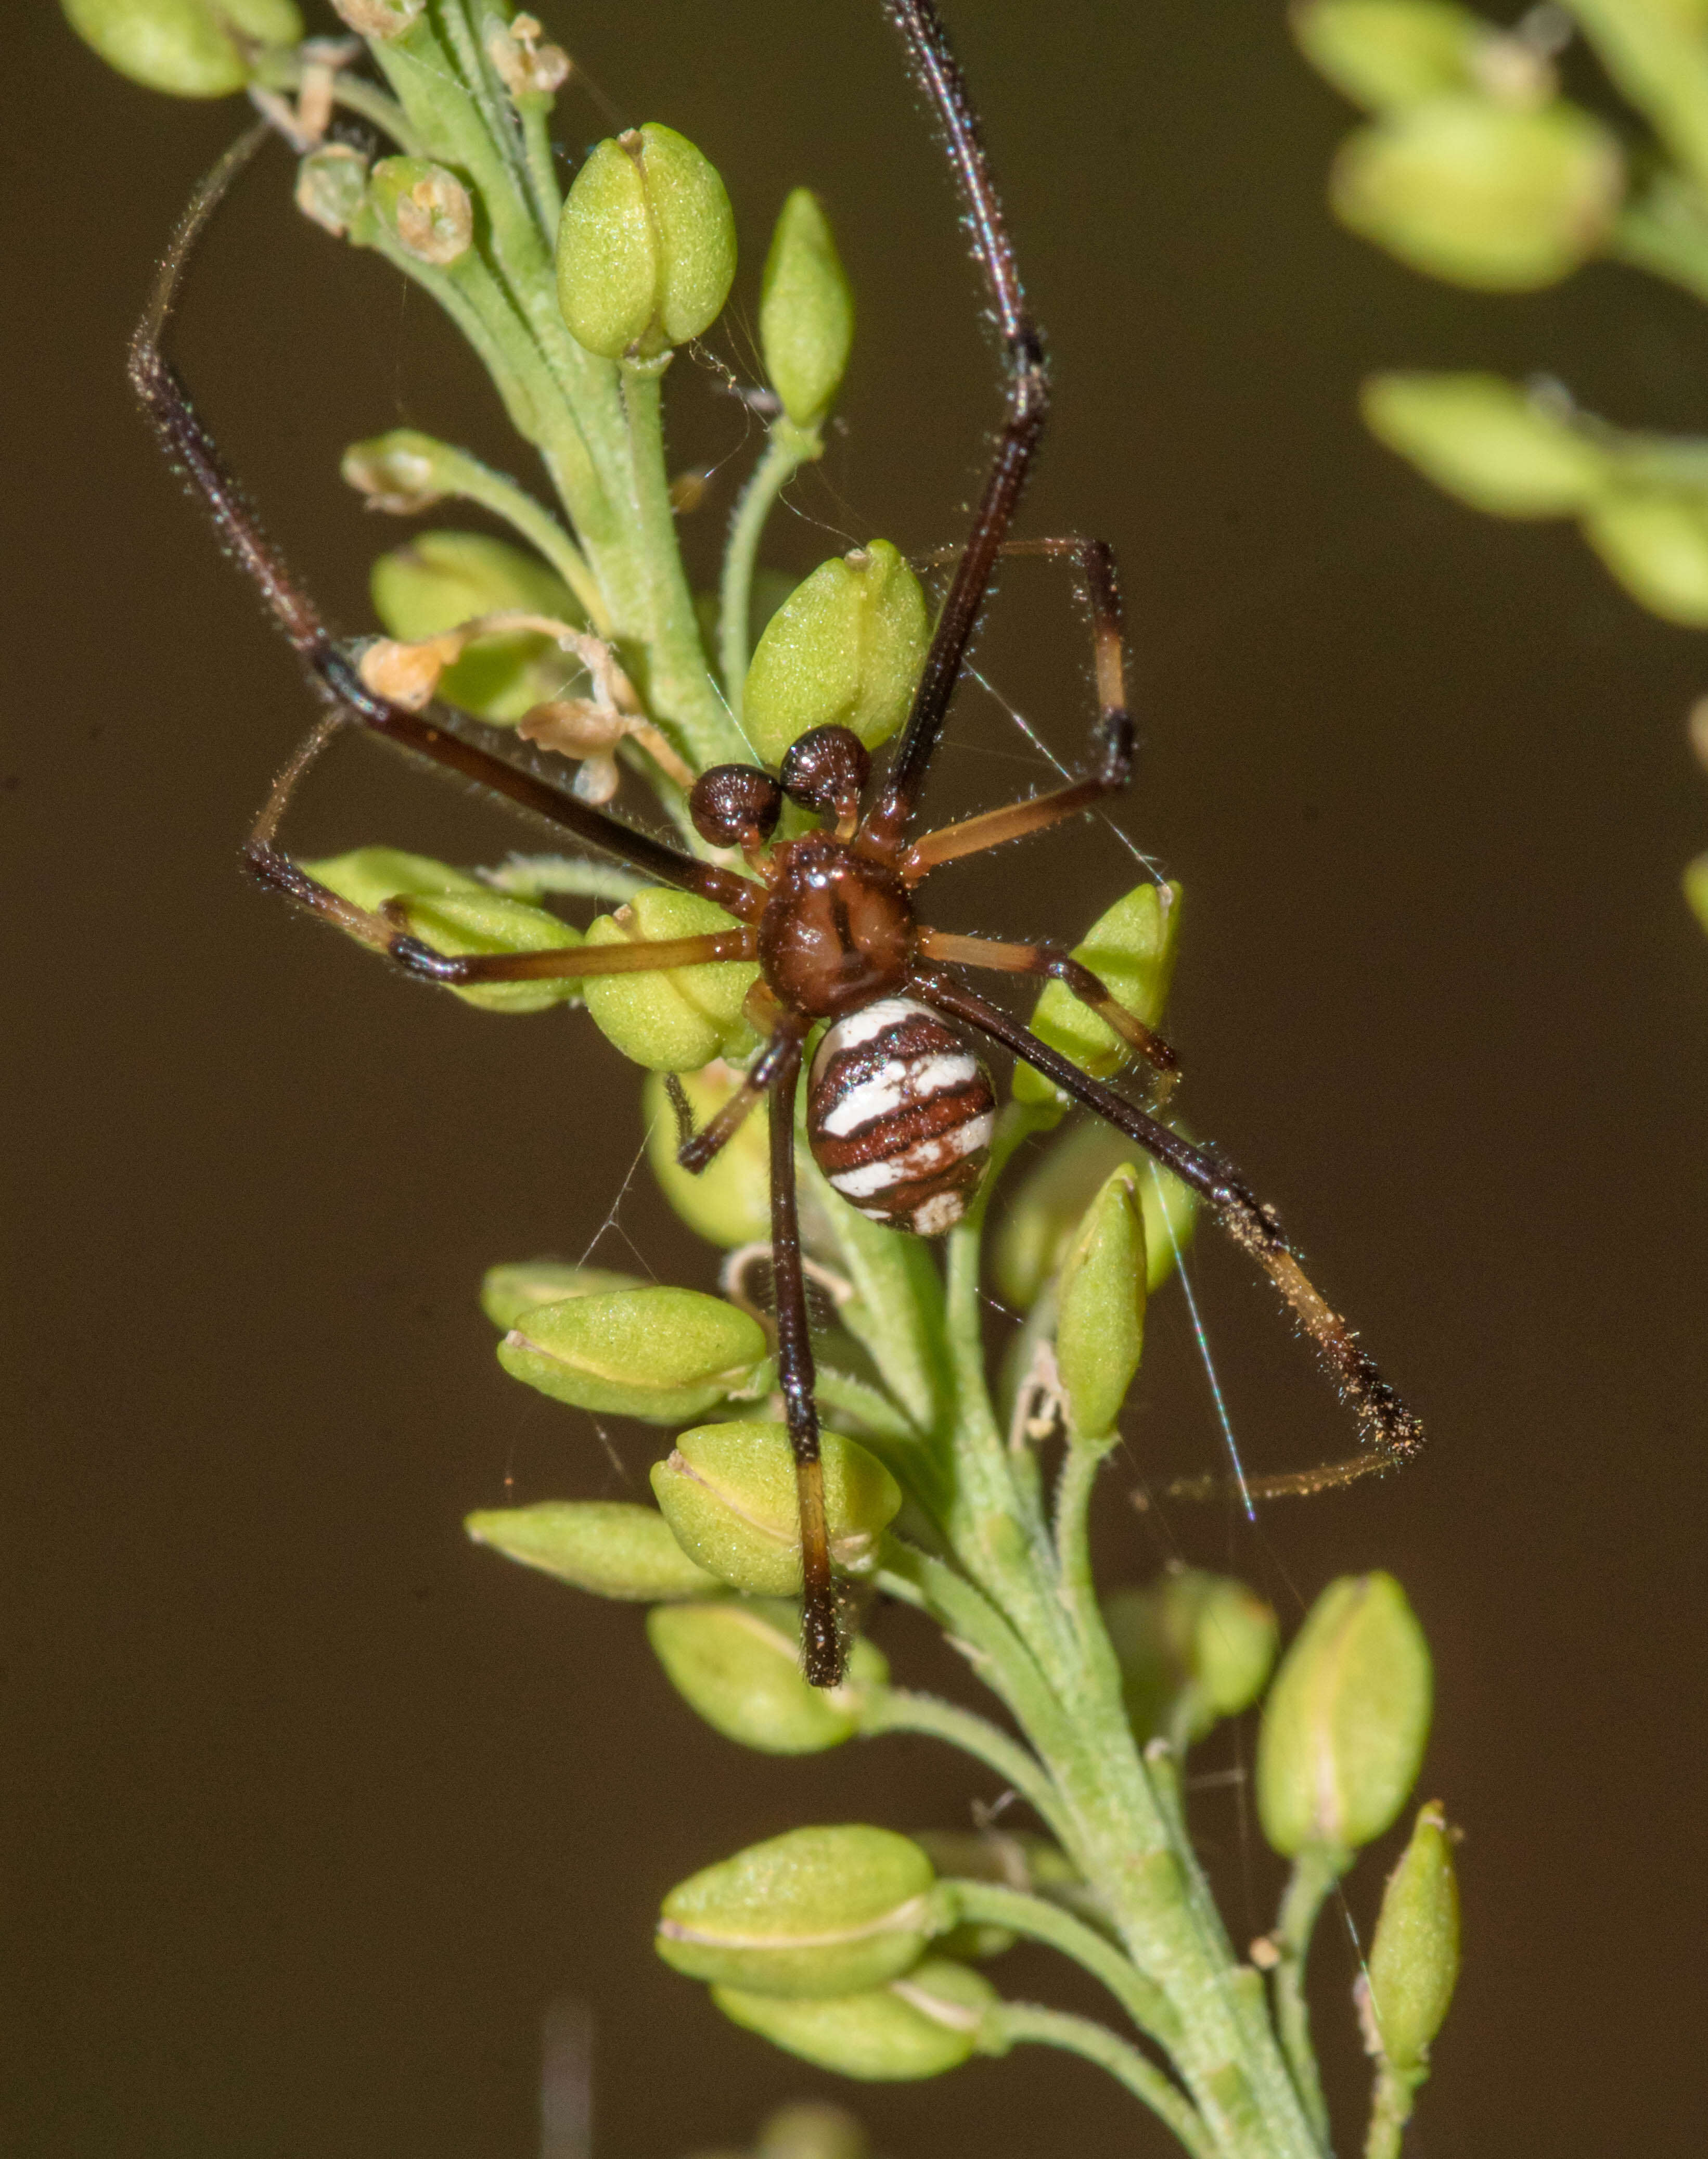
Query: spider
(899,1111)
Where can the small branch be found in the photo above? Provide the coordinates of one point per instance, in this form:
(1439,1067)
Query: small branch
(1390,2109)
(1023,2023)
(875,1412)
(898,1709)
(1315,1872)
(1661,66)
(1041,1921)
(542,164)
(790,447)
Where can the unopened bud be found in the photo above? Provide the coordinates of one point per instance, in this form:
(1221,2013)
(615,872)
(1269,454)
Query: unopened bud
(738,1663)
(674,1019)
(1481,193)
(729,1201)
(442,579)
(1100,1319)
(811,2130)
(806,311)
(1132,950)
(1696,888)
(844,650)
(508,1291)
(730,1492)
(918,2026)
(646,246)
(185,47)
(332,187)
(660,1354)
(814,1912)
(398,473)
(1193,1647)
(425,207)
(608,1547)
(1655,542)
(1383,53)
(1414,1958)
(1485,442)
(524,64)
(1345,1722)
(384,19)
(1044,1215)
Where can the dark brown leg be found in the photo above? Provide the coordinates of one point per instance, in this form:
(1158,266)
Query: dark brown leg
(700,1149)
(821,1638)
(1390,1433)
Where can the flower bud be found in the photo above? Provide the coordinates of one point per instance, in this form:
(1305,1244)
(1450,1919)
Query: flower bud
(1481,193)
(607,1546)
(806,311)
(1100,1319)
(526,68)
(916,2026)
(1344,1725)
(1193,1647)
(185,47)
(662,1355)
(1382,53)
(401,473)
(730,1493)
(384,19)
(646,245)
(1485,442)
(1415,1957)
(442,579)
(729,1201)
(813,1912)
(332,187)
(1655,542)
(812,2131)
(1130,950)
(674,1019)
(1696,888)
(508,1292)
(844,650)
(425,207)
(1044,1216)
(738,1663)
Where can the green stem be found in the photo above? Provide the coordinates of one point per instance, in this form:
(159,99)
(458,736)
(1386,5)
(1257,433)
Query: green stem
(533,877)
(542,164)
(1315,1872)
(1023,2023)
(1663,236)
(1661,65)
(790,447)
(900,1709)
(875,1412)
(379,111)
(991,1904)
(1073,1526)
(1390,2109)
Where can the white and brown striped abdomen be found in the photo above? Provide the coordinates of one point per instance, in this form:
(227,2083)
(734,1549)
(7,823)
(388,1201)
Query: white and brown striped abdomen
(899,1115)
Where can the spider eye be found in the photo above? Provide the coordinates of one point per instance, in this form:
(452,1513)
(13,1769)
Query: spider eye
(825,769)
(733,801)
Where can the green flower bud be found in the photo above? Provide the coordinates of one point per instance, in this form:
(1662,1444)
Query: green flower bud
(1193,1647)
(332,187)
(914,2027)
(400,472)
(806,311)
(1415,1957)
(186,48)
(1044,1216)
(729,1201)
(425,208)
(385,19)
(675,1019)
(1696,888)
(814,1912)
(1386,53)
(442,579)
(812,2131)
(1132,950)
(1344,1725)
(509,1292)
(844,650)
(1485,442)
(1100,1320)
(729,1492)
(646,245)
(604,1546)
(663,1356)
(739,1665)
(1482,194)
(1656,544)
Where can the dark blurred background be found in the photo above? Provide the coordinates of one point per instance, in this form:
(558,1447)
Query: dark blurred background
(312,1807)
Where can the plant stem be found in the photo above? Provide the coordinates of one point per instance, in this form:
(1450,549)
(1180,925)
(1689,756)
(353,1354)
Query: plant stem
(1022,2023)
(788,449)
(542,164)
(1661,65)
(460,475)
(1390,2109)
(1315,1872)
(993,1904)
(900,1709)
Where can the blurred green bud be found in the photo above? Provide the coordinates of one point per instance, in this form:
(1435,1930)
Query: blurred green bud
(675,1019)
(729,1201)
(1132,950)
(663,1356)
(186,48)
(1344,1725)
(729,1492)
(1655,542)
(1101,1316)
(844,650)
(1415,1957)
(645,246)
(509,1292)
(916,2026)
(384,19)
(1044,1215)
(1193,1647)
(1481,193)
(1381,54)
(1487,441)
(456,914)
(442,579)
(806,311)
(425,208)
(400,472)
(607,1546)
(332,187)
(812,2129)
(739,1665)
(813,1912)
(1696,888)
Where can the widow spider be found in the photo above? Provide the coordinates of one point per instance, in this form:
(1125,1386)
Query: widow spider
(898,1110)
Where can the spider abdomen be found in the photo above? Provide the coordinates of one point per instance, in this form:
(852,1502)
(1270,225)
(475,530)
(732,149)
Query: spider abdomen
(899,1115)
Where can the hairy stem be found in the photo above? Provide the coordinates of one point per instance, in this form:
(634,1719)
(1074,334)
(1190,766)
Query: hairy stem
(1314,1873)
(1023,2023)
(788,449)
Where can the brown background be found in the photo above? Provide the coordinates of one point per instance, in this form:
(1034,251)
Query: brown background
(310,1806)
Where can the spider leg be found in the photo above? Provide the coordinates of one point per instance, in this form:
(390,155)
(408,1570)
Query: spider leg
(189,445)
(700,1149)
(820,1640)
(1391,1432)
(934,68)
